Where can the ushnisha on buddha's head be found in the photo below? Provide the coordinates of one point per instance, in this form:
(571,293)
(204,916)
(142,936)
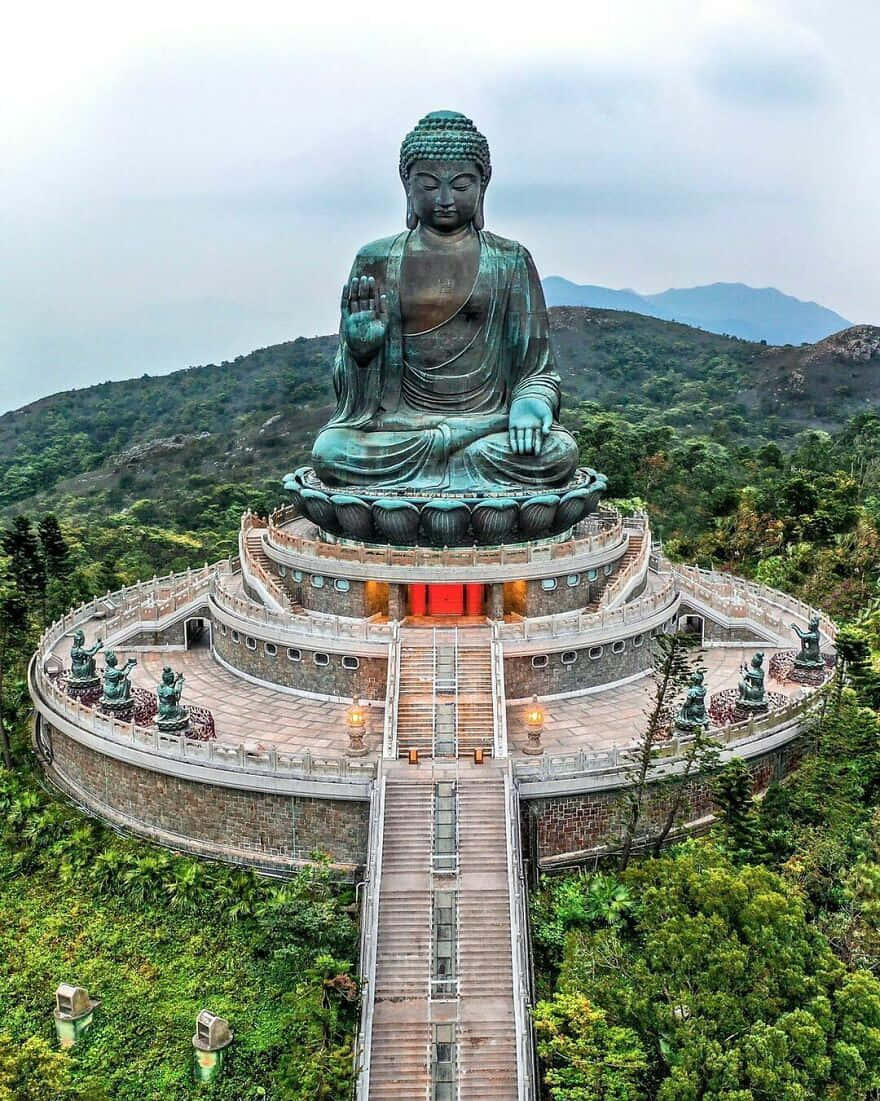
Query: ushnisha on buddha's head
(445,170)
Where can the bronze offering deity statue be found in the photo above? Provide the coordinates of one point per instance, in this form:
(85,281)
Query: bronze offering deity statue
(446,425)
(117,686)
(693,712)
(810,656)
(82,662)
(752,696)
(171,716)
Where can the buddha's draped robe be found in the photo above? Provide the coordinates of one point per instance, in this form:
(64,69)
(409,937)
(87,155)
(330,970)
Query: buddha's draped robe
(430,410)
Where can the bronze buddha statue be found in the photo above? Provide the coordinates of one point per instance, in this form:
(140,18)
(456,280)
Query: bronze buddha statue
(444,377)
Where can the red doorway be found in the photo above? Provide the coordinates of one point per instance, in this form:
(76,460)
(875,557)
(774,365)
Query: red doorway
(446,600)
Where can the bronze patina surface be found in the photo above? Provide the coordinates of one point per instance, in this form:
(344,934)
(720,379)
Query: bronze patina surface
(445,378)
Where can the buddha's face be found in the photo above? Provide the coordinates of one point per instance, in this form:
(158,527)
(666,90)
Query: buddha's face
(444,194)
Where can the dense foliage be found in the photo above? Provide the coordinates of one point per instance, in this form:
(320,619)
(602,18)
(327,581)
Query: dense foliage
(157,938)
(734,968)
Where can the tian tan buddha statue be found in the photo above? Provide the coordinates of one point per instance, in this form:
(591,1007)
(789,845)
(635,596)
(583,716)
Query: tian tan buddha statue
(444,377)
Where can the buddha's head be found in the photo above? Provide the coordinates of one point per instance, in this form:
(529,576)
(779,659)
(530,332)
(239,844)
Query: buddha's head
(111,659)
(78,638)
(445,170)
(167,675)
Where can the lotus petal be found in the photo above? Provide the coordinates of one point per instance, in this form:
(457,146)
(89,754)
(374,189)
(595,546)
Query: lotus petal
(446,523)
(573,507)
(353,516)
(319,508)
(397,521)
(494,519)
(536,515)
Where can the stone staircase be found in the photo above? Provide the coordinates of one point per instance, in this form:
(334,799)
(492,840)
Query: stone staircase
(476,1013)
(487,1031)
(633,550)
(444,696)
(401,1034)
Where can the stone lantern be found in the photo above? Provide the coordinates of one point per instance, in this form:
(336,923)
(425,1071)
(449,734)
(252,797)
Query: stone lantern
(74,1011)
(213,1036)
(356,721)
(534,727)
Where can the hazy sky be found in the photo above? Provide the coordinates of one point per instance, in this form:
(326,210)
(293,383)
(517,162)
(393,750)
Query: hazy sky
(184,182)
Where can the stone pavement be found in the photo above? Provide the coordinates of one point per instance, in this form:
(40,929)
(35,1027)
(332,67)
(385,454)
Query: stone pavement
(616,716)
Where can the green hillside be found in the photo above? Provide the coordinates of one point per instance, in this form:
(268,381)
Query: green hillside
(253,419)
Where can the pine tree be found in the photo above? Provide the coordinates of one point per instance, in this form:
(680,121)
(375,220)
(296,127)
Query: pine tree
(26,567)
(56,553)
(732,795)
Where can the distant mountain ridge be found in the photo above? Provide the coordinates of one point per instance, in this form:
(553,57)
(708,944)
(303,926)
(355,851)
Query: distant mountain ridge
(751,313)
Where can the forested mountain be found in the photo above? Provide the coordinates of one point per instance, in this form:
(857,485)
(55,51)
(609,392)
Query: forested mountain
(749,312)
(253,419)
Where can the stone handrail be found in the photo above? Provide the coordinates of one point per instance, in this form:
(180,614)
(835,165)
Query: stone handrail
(499,698)
(608,529)
(593,624)
(738,598)
(297,625)
(250,565)
(370,938)
(526,1063)
(146,602)
(244,757)
(623,581)
(562,766)
(389,739)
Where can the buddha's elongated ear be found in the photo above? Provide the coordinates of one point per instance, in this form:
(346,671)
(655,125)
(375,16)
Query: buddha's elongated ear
(412,219)
(479,219)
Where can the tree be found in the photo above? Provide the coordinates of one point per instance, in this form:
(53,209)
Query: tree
(26,567)
(729,985)
(671,672)
(13,632)
(585,1058)
(732,795)
(56,553)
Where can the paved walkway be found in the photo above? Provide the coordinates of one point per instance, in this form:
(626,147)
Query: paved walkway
(616,716)
(247,712)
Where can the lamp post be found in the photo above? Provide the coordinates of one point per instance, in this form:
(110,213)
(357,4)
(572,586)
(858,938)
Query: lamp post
(356,721)
(534,728)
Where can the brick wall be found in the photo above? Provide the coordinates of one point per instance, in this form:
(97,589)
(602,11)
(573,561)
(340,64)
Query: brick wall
(557,826)
(368,681)
(264,830)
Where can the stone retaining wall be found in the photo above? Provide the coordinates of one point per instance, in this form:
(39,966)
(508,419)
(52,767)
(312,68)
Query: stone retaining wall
(272,832)
(317,672)
(560,828)
(550,673)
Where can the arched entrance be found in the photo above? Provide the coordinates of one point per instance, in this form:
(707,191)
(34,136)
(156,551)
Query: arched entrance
(197,633)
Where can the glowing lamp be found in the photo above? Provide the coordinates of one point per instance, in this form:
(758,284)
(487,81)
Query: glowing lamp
(534,727)
(356,721)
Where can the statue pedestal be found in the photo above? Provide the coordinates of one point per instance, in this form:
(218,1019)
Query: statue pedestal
(753,707)
(173,726)
(82,687)
(116,705)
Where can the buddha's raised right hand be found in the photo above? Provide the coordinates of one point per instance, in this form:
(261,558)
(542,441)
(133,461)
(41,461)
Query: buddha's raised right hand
(364,317)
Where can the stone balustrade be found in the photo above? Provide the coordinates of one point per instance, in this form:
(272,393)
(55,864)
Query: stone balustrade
(593,535)
(620,759)
(739,598)
(599,625)
(245,757)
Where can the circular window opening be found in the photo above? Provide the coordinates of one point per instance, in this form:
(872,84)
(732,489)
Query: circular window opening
(569,657)
(322,659)
(548,584)
(251,643)
(271,649)
(618,647)
(596,652)
(539,661)
(317,581)
(236,637)
(574,579)
(349,662)
(294,653)
(342,584)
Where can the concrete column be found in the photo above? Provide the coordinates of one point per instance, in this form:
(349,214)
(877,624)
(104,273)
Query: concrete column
(495,601)
(396,601)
